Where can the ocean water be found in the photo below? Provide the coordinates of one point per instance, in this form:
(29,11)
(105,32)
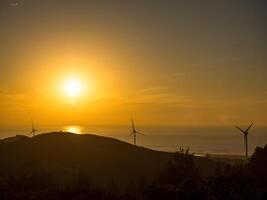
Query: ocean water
(200,140)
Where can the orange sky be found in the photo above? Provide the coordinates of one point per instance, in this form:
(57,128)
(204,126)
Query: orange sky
(165,64)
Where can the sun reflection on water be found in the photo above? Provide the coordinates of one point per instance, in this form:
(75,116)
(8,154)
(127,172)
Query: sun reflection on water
(73,129)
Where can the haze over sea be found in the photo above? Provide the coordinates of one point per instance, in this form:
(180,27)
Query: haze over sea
(201,140)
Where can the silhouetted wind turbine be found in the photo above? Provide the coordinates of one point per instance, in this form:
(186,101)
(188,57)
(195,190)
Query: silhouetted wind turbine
(134,132)
(33,132)
(245,132)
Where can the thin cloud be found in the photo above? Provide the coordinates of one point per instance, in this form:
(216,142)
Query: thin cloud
(157,99)
(214,62)
(158,89)
(9,100)
(4,97)
(14,4)
(153,96)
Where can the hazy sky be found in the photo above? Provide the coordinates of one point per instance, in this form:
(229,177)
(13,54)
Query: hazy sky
(162,62)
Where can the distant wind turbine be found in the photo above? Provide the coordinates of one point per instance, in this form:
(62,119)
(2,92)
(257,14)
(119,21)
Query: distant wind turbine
(134,132)
(33,132)
(245,132)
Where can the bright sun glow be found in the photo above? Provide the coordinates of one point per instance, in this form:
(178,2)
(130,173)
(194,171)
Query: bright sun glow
(73,88)
(73,129)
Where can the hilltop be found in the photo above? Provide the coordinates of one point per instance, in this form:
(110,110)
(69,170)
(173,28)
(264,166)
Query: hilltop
(103,160)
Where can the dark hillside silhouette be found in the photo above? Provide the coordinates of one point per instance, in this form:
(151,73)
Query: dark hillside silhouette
(63,154)
(69,166)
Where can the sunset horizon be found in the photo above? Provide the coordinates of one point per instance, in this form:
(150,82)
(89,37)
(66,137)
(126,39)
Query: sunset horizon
(133,100)
(165,74)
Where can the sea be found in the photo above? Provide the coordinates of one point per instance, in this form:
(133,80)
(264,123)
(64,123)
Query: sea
(202,140)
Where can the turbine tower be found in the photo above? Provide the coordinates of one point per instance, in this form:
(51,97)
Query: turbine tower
(245,132)
(33,132)
(134,132)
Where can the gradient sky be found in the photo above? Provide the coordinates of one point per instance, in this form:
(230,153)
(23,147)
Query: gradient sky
(162,62)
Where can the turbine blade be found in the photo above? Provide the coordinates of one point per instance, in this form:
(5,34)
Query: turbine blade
(249,127)
(140,133)
(240,129)
(133,124)
(32,124)
(130,135)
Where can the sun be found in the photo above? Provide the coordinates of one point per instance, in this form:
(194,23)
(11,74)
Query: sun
(73,88)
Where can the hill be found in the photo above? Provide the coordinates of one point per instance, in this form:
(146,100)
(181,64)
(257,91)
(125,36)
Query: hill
(102,160)
(69,166)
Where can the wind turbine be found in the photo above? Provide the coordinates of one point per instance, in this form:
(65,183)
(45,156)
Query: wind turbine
(134,132)
(33,132)
(245,132)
